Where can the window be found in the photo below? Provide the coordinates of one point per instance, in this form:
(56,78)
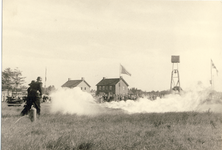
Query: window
(107,87)
(100,87)
(123,88)
(103,87)
(110,87)
(81,88)
(85,88)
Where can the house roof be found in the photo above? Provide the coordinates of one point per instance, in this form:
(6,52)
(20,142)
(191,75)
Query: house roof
(73,83)
(111,81)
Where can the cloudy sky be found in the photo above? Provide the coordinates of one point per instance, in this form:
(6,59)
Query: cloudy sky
(90,39)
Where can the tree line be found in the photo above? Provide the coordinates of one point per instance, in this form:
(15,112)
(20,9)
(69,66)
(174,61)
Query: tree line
(13,80)
(151,94)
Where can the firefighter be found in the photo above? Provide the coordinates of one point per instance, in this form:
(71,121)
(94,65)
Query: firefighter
(36,94)
(28,100)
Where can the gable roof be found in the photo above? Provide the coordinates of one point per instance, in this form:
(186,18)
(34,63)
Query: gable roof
(73,83)
(111,81)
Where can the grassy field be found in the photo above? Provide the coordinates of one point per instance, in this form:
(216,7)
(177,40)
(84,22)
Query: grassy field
(112,130)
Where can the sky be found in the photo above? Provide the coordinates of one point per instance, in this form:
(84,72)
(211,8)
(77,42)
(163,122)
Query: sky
(90,39)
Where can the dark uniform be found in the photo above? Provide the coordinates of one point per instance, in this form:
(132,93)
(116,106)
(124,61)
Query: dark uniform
(36,94)
(28,100)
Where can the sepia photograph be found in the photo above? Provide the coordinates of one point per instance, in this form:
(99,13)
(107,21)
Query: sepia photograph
(111,75)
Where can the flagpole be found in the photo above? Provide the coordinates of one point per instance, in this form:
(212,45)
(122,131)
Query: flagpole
(212,76)
(211,73)
(119,69)
(45,79)
(119,77)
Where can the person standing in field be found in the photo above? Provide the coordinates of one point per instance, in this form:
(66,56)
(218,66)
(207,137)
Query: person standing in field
(36,94)
(28,100)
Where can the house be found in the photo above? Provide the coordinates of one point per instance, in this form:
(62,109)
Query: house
(77,83)
(111,86)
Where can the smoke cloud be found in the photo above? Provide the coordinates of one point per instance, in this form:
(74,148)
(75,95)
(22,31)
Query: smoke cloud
(75,101)
(189,101)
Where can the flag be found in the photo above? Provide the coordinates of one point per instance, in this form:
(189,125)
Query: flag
(124,71)
(213,66)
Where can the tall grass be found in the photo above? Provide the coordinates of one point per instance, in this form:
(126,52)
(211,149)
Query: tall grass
(111,130)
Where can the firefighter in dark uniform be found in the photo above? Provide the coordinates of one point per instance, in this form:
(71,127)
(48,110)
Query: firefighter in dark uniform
(36,94)
(28,100)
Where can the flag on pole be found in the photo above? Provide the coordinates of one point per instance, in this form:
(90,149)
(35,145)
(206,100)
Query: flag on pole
(124,71)
(213,66)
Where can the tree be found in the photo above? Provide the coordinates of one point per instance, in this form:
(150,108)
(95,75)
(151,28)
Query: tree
(11,79)
(136,91)
(49,89)
(7,79)
(17,78)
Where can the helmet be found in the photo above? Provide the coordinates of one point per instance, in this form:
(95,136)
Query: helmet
(39,79)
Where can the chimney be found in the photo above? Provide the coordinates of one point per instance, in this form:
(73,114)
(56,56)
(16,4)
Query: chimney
(104,78)
(69,79)
(82,78)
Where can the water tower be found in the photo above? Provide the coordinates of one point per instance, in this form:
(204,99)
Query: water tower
(175,77)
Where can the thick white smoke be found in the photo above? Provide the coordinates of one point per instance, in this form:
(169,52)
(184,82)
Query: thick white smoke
(172,103)
(198,99)
(75,101)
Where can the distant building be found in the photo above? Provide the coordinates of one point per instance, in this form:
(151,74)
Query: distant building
(117,86)
(77,83)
